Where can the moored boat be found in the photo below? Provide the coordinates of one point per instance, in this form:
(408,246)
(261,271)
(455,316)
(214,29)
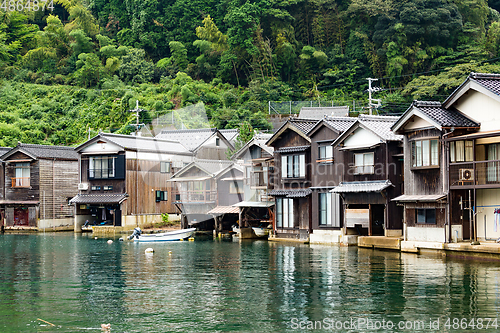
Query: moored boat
(175,235)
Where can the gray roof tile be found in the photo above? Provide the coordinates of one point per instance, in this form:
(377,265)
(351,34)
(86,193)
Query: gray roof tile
(145,143)
(303,125)
(193,138)
(98,198)
(444,117)
(381,125)
(489,81)
(320,112)
(299,193)
(340,123)
(46,151)
(367,186)
(293,149)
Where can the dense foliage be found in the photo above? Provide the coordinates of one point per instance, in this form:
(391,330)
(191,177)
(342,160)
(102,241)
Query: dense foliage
(84,64)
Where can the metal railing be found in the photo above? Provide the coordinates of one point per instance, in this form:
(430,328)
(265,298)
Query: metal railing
(20,182)
(475,173)
(196,196)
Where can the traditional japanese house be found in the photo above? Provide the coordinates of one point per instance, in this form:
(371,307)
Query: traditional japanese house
(256,210)
(427,201)
(373,158)
(38,182)
(3,150)
(124,180)
(204,143)
(326,173)
(206,191)
(292,162)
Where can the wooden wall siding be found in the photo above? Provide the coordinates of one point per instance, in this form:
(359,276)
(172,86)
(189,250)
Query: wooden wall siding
(211,153)
(425,181)
(58,183)
(145,183)
(325,174)
(2,181)
(411,218)
(224,197)
(22,193)
(290,139)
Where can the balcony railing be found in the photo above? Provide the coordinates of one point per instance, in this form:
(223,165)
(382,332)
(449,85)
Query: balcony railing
(20,182)
(475,173)
(196,196)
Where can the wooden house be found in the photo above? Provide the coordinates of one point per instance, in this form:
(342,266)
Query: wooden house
(257,160)
(38,181)
(204,143)
(427,200)
(292,162)
(326,173)
(206,191)
(373,175)
(124,180)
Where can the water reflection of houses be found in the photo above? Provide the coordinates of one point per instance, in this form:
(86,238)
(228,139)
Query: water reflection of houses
(206,191)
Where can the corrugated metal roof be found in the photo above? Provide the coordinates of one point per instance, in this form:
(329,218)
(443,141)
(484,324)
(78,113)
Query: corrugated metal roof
(296,149)
(99,199)
(254,204)
(419,198)
(140,143)
(320,112)
(300,193)
(224,210)
(367,186)
(193,138)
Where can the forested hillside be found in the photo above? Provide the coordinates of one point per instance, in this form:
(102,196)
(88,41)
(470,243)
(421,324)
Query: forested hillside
(70,65)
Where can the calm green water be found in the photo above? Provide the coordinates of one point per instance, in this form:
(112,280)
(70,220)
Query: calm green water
(78,283)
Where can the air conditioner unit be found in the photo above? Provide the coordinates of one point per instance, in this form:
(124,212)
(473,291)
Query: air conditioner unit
(466,174)
(83,186)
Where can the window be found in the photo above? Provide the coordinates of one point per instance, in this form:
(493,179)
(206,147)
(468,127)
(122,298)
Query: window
(325,208)
(364,163)
(164,167)
(22,178)
(102,167)
(325,154)
(235,187)
(284,213)
(426,216)
(425,153)
(293,166)
(217,142)
(161,196)
(462,151)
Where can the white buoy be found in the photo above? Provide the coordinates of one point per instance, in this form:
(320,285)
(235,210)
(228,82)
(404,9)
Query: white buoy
(95,237)
(121,239)
(110,241)
(150,250)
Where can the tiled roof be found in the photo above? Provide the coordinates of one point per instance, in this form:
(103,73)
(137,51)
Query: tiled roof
(340,123)
(260,140)
(368,186)
(193,138)
(303,125)
(300,193)
(320,112)
(296,149)
(381,125)
(212,167)
(145,143)
(229,134)
(444,117)
(99,199)
(44,151)
(489,81)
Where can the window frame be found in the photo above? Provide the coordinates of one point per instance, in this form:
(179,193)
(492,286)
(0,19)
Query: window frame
(284,213)
(165,166)
(92,170)
(364,169)
(461,151)
(427,215)
(418,150)
(161,195)
(25,170)
(325,213)
(293,166)
(323,151)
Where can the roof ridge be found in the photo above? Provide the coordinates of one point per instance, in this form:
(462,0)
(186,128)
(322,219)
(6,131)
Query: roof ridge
(125,136)
(418,103)
(490,76)
(187,130)
(34,145)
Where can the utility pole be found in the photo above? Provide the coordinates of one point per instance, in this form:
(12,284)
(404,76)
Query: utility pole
(370,90)
(137,111)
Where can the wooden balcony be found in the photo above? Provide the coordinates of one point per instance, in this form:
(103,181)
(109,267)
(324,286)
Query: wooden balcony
(196,196)
(478,174)
(20,181)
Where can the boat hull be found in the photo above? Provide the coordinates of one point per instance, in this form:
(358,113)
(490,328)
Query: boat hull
(167,236)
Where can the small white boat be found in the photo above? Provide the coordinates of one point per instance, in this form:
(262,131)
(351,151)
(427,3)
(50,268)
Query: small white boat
(165,236)
(261,232)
